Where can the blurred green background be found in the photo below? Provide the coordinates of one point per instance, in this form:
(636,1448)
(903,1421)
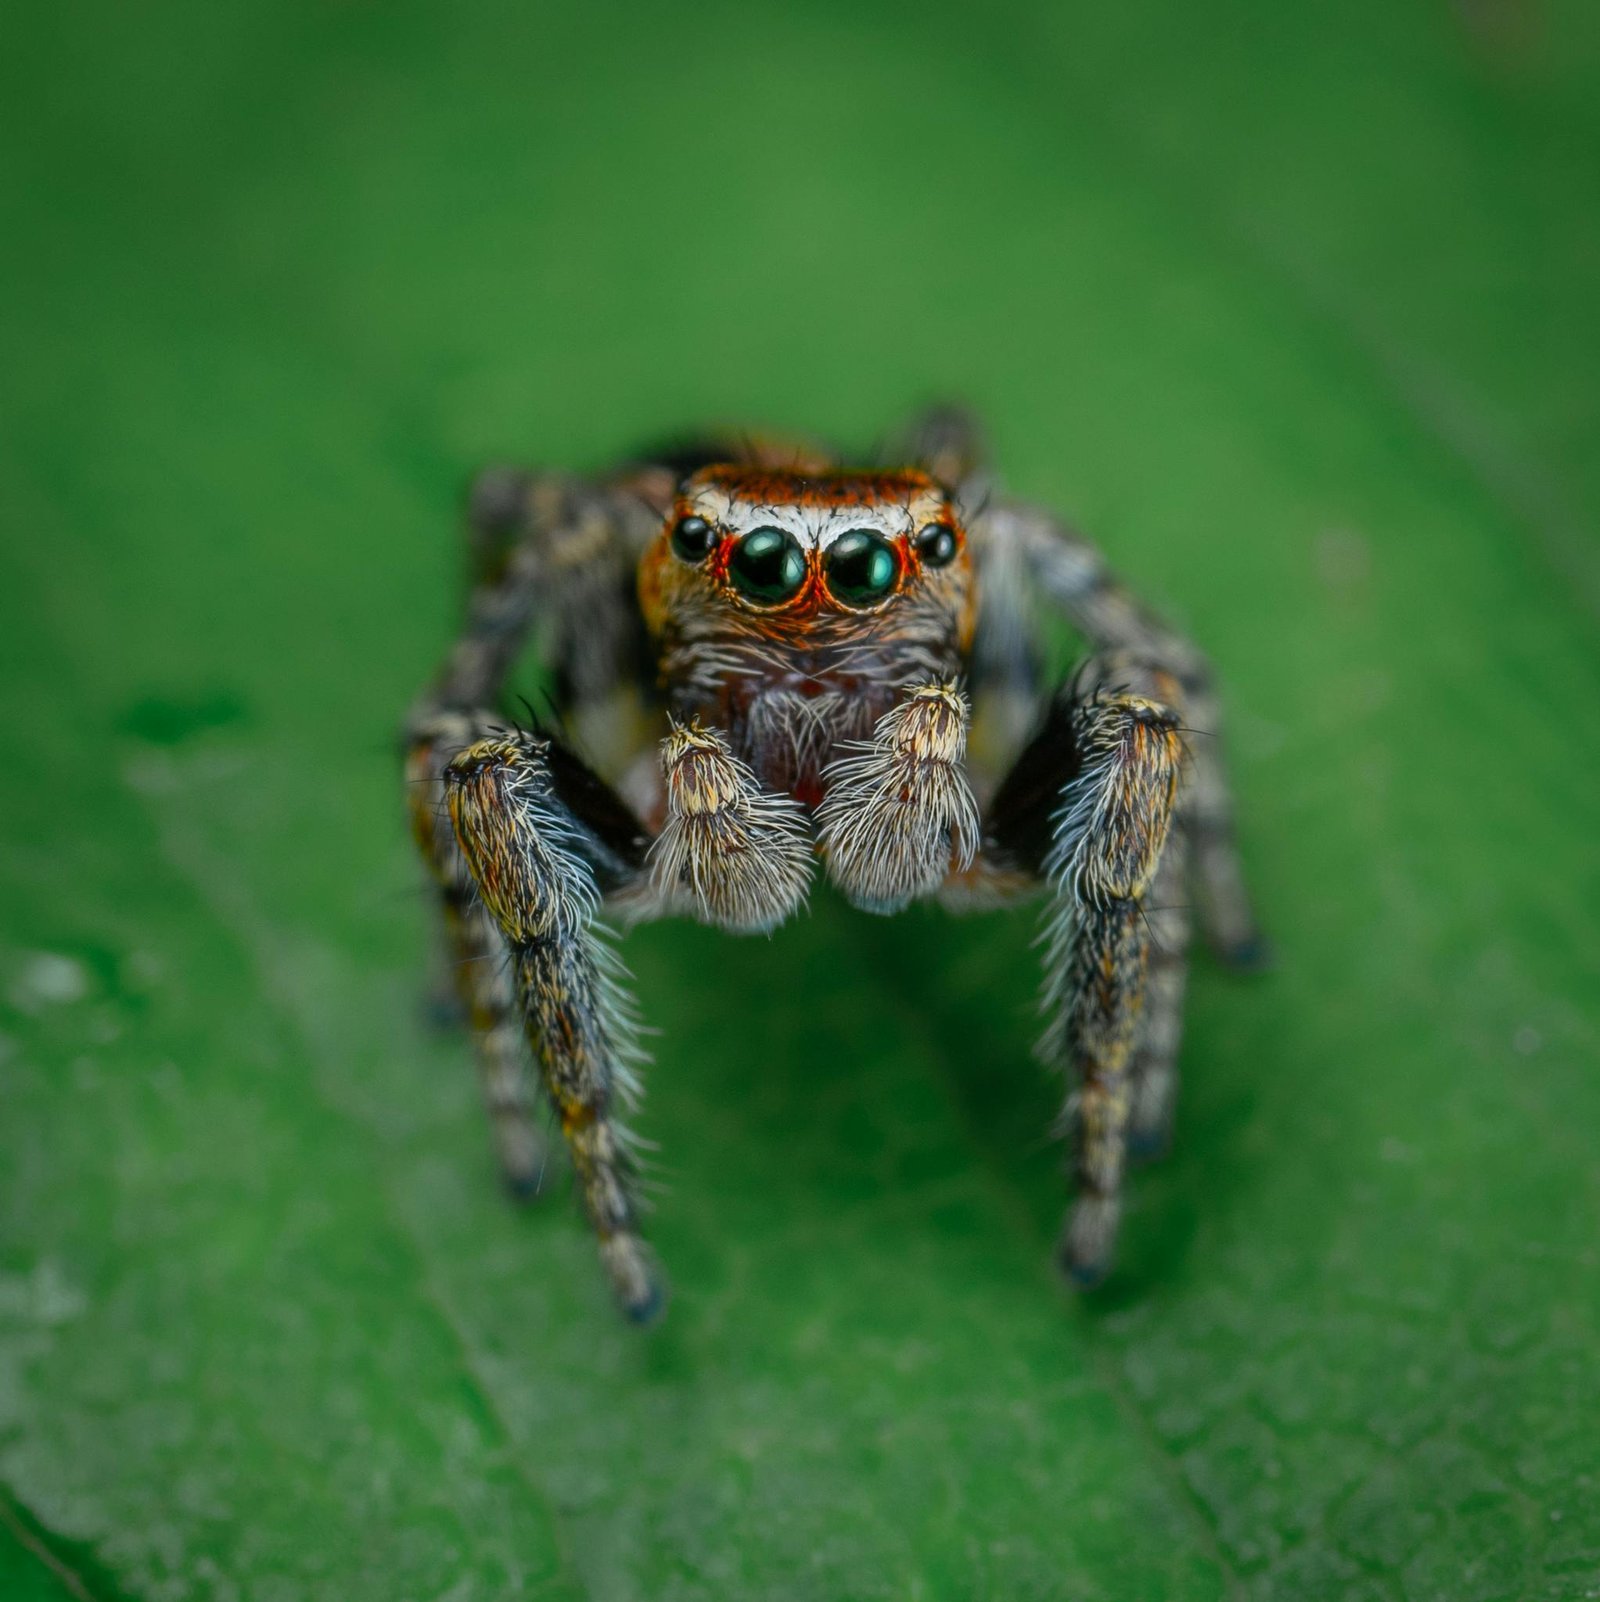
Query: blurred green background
(1295,307)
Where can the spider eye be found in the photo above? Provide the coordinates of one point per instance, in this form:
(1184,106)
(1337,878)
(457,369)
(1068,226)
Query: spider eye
(862,568)
(768,566)
(692,538)
(936,545)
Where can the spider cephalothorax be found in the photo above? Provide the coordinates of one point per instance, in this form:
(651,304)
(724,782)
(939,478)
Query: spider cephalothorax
(792,610)
(809,644)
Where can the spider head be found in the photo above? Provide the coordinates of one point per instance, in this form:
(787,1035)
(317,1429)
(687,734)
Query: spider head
(808,556)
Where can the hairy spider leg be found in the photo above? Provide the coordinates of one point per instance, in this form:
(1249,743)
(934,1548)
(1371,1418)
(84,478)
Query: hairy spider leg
(1153,1075)
(534,860)
(560,553)
(1089,806)
(475,954)
(1153,1071)
(506,564)
(1072,573)
(944,441)
(524,534)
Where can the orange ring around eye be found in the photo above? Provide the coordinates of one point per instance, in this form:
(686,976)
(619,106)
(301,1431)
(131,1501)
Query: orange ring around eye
(767,566)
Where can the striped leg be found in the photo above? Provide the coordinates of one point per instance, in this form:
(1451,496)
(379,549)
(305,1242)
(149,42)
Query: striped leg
(1154,1072)
(479,964)
(538,548)
(1098,959)
(1110,829)
(513,524)
(1073,574)
(1089,807)
(560,554)
(532,858)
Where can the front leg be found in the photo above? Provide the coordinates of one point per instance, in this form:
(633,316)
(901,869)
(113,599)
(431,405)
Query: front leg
(1063,566)
(1089,806)
(537,862)
(899,815)
(475,959)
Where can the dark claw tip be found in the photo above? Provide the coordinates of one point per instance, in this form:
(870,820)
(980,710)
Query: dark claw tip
(1085,1273)
(524,1187)
(1149,1145)
(443,1011)
(1089,1243)
(497,498)
(646,1309)
(1253,954)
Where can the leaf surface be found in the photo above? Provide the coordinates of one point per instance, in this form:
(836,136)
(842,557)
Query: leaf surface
(1295,312)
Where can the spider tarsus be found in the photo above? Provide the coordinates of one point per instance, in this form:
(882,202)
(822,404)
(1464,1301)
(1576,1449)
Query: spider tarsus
(648,1307)
(1090,1240)
(1254,953)
(1149,1145)
(498,499)
(444,1011)
(636,1282)
(523,1184)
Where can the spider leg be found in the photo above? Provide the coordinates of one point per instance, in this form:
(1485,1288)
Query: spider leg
(528,538)
(557,557)
(729,853)
(1153,1073)
(1071,572)
(478,963)
(537,832)
(898,816)
(944,441)
(684,454)
(1089,807)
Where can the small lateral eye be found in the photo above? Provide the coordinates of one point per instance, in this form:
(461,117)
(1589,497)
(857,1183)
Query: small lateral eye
(768,566)
(692,538)
(936,545)
(862,568)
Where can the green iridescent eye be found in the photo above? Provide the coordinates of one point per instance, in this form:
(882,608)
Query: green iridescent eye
(768,566)
(936,545)
(862,568)
(692,538)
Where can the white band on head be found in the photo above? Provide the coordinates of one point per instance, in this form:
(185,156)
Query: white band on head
(814,526)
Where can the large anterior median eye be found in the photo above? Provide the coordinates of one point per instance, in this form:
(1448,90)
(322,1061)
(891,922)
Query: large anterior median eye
(862,568)
(768,566)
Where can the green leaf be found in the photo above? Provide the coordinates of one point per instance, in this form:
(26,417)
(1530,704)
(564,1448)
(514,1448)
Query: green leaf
(1294,308)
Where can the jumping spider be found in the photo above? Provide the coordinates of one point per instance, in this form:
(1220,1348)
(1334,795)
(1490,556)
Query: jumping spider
(776,660)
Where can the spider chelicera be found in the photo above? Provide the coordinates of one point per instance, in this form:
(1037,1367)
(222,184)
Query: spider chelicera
(776,663)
